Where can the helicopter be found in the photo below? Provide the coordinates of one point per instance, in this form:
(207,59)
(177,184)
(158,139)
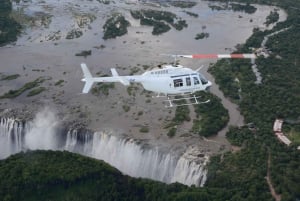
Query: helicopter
(169,80)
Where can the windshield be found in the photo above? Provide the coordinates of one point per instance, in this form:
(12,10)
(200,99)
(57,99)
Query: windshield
(203,79)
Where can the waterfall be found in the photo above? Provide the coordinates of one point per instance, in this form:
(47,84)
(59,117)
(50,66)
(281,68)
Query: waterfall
(132,157)
(191,168)
(11,136)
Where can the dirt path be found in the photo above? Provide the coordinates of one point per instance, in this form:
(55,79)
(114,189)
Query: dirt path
(276,196)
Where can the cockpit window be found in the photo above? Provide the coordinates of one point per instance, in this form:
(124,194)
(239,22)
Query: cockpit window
(196,81)
(203,79)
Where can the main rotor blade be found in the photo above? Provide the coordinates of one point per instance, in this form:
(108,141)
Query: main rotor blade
(219,56)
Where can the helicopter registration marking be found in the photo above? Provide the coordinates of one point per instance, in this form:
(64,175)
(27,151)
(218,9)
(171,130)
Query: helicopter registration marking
(159,72)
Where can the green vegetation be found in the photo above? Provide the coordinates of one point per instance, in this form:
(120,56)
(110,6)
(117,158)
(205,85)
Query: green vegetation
(202,35)
(191,14)
(55,175)
(115,26)
(83,20)
(144,129)
(172,131)
(134,70)
(10,77)
(292,131)
(59,82)
(45,175)
(38,70)
(102,88)
(27,86)
(182,112)
(36,91)
(9,28)
(256,38)
(277,96)
(272,18)
(237,136)
(212,116)
(183,4)
(227,70)
(242,173)
(160,20)
(84,53)
(104,1)
(74,34)
(235,7)
(126,108)
(145,67)
(158,27)
(246,8)
(132,89)
(294,135)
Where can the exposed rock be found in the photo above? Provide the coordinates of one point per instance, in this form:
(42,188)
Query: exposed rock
(75,33)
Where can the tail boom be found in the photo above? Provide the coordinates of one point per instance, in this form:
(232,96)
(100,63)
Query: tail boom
(90,80)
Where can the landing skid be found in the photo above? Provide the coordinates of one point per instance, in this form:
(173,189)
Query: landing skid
(192,101)
(159,95)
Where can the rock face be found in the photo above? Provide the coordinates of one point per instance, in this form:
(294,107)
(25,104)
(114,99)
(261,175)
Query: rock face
(133,157)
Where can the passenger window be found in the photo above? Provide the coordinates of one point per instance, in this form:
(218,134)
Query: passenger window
(188,81)
(178,83)
(196,81)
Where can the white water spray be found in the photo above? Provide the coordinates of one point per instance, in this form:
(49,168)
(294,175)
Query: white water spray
(42,132)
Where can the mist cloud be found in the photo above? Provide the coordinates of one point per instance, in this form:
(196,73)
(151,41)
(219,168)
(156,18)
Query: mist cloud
(42,132)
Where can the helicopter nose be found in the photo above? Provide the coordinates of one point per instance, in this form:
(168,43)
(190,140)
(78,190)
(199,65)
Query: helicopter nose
(208,85)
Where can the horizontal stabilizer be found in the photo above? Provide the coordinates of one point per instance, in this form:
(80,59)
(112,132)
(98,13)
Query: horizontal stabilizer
(86,72)
(88,79)
(87,86)
(120,78)
(114,72)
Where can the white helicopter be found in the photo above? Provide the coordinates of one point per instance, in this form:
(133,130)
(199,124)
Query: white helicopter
(168,80)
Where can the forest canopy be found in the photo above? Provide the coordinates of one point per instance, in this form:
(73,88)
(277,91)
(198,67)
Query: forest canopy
(9,28)
(276,97)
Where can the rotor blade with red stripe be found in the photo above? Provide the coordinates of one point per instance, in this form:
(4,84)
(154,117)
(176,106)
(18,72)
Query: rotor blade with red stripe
(219,56)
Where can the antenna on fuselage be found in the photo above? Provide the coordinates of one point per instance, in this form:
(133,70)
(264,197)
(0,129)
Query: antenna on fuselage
(175,60)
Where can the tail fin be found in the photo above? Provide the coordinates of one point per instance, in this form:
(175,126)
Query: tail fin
(119,78)
(88,79)
(114,72)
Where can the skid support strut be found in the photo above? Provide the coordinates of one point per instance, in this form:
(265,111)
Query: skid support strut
(193,100)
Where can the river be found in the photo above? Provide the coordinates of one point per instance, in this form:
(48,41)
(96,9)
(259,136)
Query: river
(42,50)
